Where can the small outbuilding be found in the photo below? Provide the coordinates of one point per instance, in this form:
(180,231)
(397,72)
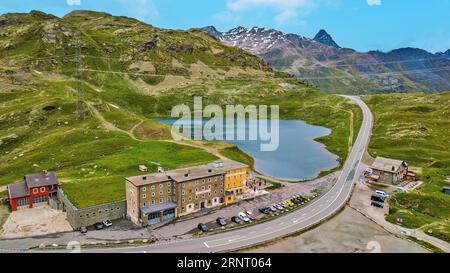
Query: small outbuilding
(143,168)
(390,171)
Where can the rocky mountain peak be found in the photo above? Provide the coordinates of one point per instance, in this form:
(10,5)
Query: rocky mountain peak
(324,38)
(212,30)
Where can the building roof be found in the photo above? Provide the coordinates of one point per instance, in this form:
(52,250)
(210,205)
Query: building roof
(148,179)
(387,164)
(41,179)
(158,207)
(18,190)
(186,174)
(197,172)
(227,165)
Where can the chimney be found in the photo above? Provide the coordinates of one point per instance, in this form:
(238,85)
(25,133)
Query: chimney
(210,171)
(144,178)
(45,172)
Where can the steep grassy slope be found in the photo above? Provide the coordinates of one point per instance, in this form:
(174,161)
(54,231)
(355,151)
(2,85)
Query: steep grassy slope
(77,95)
(415,128)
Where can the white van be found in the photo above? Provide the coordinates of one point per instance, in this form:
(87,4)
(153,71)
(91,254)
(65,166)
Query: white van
(382,193)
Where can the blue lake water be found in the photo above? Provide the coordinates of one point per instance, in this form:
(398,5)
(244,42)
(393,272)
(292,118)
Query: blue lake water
(298,156)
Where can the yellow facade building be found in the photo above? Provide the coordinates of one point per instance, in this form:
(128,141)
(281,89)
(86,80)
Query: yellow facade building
(236,175)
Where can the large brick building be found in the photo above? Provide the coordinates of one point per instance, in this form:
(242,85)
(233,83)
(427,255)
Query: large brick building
(153,198)
(35,190)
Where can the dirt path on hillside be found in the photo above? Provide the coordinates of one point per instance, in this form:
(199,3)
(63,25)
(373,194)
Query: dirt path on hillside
(108,125)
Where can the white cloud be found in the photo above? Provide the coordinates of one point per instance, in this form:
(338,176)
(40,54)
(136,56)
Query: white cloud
(226,16)
(73,2)
(142,9)
(374,2)
(286,9)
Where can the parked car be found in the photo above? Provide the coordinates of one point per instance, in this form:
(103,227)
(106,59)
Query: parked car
(296,201)
(279,207)
(301,197)
(382,193)
(236,219)
(202,227)
(243,217)
(289,203)
(99,226)
(377,204)
(273,209)
(83,230)
(107,223)
(221,221)
(250,215)
(378,198)
(265,210)
(284,205)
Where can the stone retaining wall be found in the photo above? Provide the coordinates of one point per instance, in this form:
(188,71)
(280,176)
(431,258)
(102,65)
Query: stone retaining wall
(88,216)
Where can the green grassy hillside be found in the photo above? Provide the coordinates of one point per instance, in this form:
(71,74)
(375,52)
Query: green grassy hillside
(78,94)
(416,128)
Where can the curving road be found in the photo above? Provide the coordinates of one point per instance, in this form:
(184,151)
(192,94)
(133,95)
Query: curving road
(316,212)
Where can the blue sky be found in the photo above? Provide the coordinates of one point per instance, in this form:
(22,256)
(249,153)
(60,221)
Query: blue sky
(360,24)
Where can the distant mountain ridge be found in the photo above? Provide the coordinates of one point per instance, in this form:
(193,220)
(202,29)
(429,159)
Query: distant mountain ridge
(322,62)
(445,55)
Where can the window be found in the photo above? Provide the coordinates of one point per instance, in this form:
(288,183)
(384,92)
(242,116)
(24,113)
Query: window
(42,189)
(168,190)
(190,199)
(153,202)
(145,204)
(183,192)
(160,200)
(196,182)
(209,193)
(182,200)
(215,179)
(209,186)
(144,188)
(160,192)
(203,181)
(35,191)
(40,199)
(23,202)
(209,179)
(160,186)
(168,184)
(153,194)
(144,195)
(153,187)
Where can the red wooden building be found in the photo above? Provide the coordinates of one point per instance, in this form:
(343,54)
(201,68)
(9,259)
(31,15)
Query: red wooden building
(35,190)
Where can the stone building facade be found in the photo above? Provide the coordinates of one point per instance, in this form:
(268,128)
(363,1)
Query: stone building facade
(158,197)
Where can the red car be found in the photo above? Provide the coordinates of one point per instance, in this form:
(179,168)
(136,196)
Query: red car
(250,215)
